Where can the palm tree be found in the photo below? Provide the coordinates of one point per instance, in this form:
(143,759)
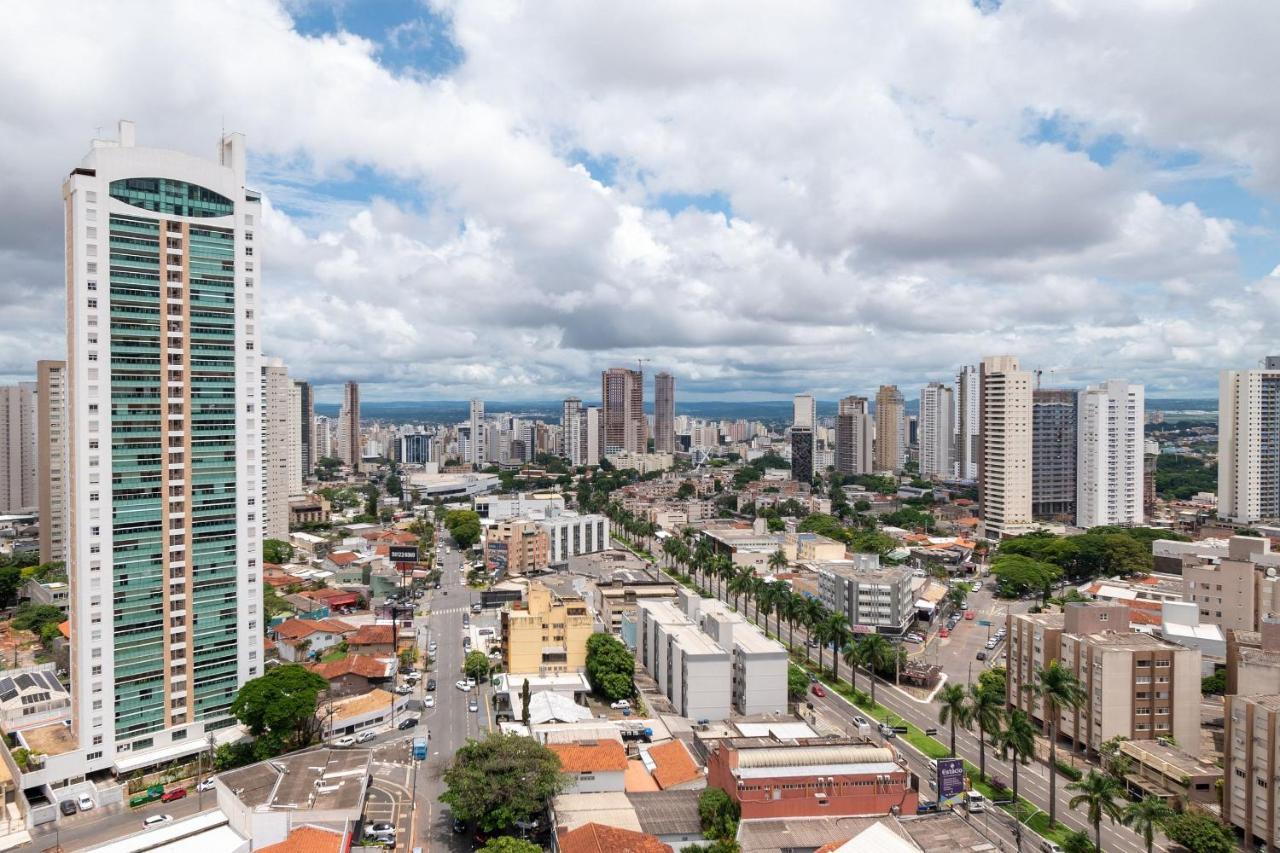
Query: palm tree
(820,633)
(1144,816)
(740,582)
(853,657)
(838,634)
(954,709)
(777,560)
(813,616)
(1059,689)
(877,653)
(986,709)
(1019,737)
(765,597)
(1099,792)
(782,598)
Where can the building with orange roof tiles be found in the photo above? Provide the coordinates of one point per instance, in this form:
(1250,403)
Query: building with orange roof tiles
(594,766)
(673,766)
(308,839)
(598,838)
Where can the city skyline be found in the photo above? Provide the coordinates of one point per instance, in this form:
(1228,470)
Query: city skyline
(1094,230)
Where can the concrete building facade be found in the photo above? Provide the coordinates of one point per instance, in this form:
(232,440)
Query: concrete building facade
(516,546)
(19,464)
(874,598)
(891,439)
(1109,448)
(622,422)
(1248,449)
(1004,447)
(968,429)
(802,454)
(548,635)
(1251,767)
(570,534)
(855,437)
(937,431)
(349,446)
(1053,454)
(664,413)
(279,421)
(51,453)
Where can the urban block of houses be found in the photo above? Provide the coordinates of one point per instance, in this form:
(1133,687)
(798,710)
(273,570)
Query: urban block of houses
(300,639)
(355,674)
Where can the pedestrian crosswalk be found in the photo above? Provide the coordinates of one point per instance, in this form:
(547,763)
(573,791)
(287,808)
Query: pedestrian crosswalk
(448,610)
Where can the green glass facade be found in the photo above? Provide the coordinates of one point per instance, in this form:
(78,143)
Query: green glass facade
(138,278)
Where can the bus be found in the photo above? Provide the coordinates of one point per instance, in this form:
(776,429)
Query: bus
(419,749)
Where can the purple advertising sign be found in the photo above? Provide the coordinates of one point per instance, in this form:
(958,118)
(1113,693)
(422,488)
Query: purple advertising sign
(950,778)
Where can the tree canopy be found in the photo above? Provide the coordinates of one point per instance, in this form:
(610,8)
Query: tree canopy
(1200,832)
(1017,575)
(718,814)
(279,707)
(610,667)
(501,779)
(276,551)
(476,665)
(509,844)
(464,526)
(797,682)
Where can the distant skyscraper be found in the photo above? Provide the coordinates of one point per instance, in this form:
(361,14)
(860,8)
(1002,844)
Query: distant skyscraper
(568,423)
(19,463)
(804,411)
(891,449)
(966,423)
(622,421)
(1109,456)
(324,438)
(478,449)
(664,413)
(589,435)
(308,456)
(802,454)
(1053,454)
(1004,458)
(279,419)
(51,453)
(937,434)
(855,429)
(165,429)
(1249,443)
(349,449)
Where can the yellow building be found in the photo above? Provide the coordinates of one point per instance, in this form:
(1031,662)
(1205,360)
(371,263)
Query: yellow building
(546,635)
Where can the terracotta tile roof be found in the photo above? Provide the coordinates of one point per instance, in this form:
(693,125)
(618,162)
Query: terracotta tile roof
(373,635)
(637,778)
(590,756)
(64,628)
(598,838)
(279,581)
(673,765)
(342,558)
(268,644)
(366,666)
(307,839)
(296,629)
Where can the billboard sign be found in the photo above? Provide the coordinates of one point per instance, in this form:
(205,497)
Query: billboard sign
(951,781)
(403,553)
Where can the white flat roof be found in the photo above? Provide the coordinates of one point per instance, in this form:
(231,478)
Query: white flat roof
(129,762)
(196,834)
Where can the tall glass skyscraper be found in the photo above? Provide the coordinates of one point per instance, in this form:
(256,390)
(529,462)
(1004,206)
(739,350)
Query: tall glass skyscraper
(164,441)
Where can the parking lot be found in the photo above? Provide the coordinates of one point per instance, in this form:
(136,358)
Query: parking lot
(958,653)
(390,797)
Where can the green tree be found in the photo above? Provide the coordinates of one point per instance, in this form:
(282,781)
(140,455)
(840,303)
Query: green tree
(509,844)
(610,667)
(1214,685)
(1019,738)
(10,583)
(877,653)
(279,707)
(1099,793)
(525,698)
(464,526)
(1146,816)
(993,680)
(986,711)
(35,617)
(1200,832)
(1074,841)
(501,779)
(1016,575)
(1059,689)
(476,665)
(276,551)
(394,486)
(719,814)
(797,682)
(954,709)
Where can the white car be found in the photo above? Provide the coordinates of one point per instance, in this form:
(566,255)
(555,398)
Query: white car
(85,802)
(157,820)
(206,785)
(465,684)
(346,740)
(366,736)
(620,704)
(403,689)
(429,701)
(977,585)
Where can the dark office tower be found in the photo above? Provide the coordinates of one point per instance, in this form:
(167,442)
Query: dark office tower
(664,413)
(1053,454)
(802,454)
(349,426)
(307,423)
(622,424)
(854,430)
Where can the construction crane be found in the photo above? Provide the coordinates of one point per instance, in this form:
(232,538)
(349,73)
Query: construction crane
(640,364)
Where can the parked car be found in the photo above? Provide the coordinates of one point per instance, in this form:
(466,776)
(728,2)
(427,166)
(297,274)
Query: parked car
(1047,846)
(473,706)
(818,691)
(977,585)
(85,802)
(459,825)
(465,684)
(403,689)
(970,615)
(407,723)
(887,730)
(157,820)
(944,633)
(366,736)
(431,684)
(345,741)
(477,607)
(206,785)
(982,655)
(620,704)
(175,794)
(429,702)
(926,806)
(860,720)
(67,807)
(381,831)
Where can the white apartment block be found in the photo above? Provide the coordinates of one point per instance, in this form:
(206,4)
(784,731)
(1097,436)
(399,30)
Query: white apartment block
(570,534)
(1109,449)
(18,458)
(51,414)
(505,507)
(875,597)
(758,665)
(937,431)
(279,418)
(966,423)
(1248,453)
(165,432)
(1004,447)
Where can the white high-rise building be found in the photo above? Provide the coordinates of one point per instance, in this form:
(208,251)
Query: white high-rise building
(1109,447)
(1249,443)
(19,464)
(478,448)
(966,423)
(281,441)
(568,417)
(297,448)
(804,411)
(324,438)
(1004,457)
(855,437)
(165,429)
(937,434)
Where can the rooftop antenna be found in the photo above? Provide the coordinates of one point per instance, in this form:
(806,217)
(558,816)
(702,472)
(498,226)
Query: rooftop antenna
(1038,373)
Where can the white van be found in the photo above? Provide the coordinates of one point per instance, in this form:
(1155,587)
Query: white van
(975,802)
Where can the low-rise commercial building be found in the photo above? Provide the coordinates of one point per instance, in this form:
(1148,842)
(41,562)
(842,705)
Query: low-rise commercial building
(641,463)
(547,635)
(570,534)
(520,505)
(1170,774)
(617,596)
(812,777)
(873,597)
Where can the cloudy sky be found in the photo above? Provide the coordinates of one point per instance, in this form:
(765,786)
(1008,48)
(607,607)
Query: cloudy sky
(501,198)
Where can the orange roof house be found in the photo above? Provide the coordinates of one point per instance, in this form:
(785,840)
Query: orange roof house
(673,766)
(372,635)
(598,838)
(308,839)
(365,666)
(590,756)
